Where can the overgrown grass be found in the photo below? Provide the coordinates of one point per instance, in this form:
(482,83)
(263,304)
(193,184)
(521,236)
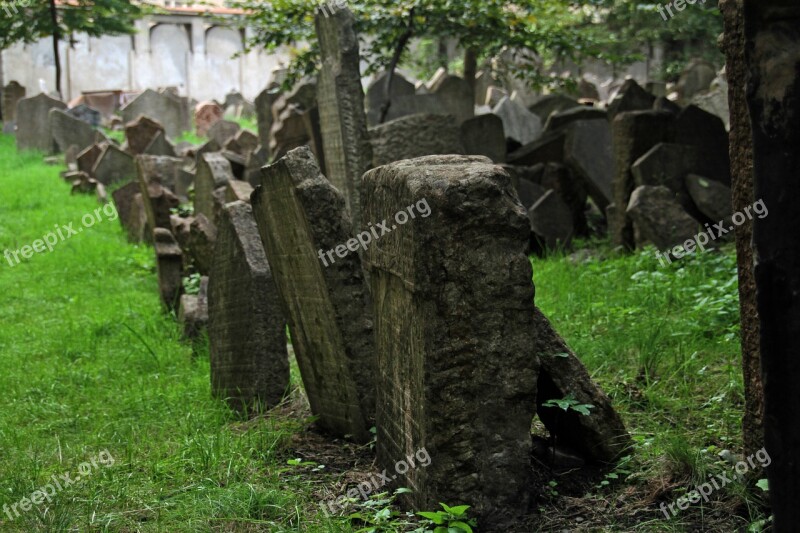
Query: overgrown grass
(90,363)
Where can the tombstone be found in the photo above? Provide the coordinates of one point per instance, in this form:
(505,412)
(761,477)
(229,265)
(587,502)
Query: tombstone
(440,74)
(663,103)
(483,81)
(246,327)
(12,93)
(180,227)
(288,130)
(343,122)
(242,143)
(140,133)
(71,156)
(561,119)
(164,170)
(300,216)
(631,97)
(668,164)
(202,240)
(193,312)
(238,163)
(206,114)
(551,103)
(705,131)
(634,134)
(264,102)
(436,319)
(659,219)
(601,436)
(169,264)
(456,96)
(547,148)
(715,102)
(113,165)
(484,135)
(87,158)
(519,124)
(588,90)
(222,131)
(712,198)
(695,78)
(588,152)
(311,123)
(255,160)
(494,95)
(526,181)
(213,172)
(87,114)
(68,130)
(160,145)
(415,136)
(170,110)
(238,191)
(33,123)
(158,204)
(571,190)
(376,95)
(551,221)
(234,99)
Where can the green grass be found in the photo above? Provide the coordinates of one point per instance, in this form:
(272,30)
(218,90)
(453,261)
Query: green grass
(78,379)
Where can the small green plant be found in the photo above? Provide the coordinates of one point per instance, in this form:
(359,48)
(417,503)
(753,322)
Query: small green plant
(449,520)
(191,284)
(377,513)
(569,402)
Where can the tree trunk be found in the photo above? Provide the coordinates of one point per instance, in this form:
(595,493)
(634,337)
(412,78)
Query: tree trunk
(398,52)
(56,37)
(772,55)
(741,152)
(470,67)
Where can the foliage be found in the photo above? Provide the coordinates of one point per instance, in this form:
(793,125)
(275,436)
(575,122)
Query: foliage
(378,514)
(449,520)
(569,402)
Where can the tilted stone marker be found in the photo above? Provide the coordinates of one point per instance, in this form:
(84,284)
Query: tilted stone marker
(140,133)
(202,240)
(160,145)
(87,114)
(68,130)
(170,110)
(659,219)
(33,123)
(169,263)
(88,157)
(348,153)
(12,93)
(263,103)
(300,214)
(377,98)
(213,172)
(246,326)
(114,165)
(223,130)
(158,200)
(132,214)
(457,97)
(456,368)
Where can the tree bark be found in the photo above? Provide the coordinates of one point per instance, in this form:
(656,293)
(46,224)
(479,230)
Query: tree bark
(398,52)
(741,153)
(470,67)
(772,55)
(56,37)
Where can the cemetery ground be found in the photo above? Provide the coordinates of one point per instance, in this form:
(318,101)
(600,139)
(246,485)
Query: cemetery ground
(91,364)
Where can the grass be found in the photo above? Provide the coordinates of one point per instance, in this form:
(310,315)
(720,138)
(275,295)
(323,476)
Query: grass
(91,365)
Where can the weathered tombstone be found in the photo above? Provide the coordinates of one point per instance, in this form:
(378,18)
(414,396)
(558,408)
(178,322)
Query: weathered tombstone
(169,264)
(519,124)
(484,135)
(87,158)
(255,160)
(526,181)
(712,198)
(202,240)
(634,134)
(707,133)
(264,102)
(715,102)
(160,169)
(588,90)
(206,114)
(311,123)
(571,190)
(377,99)
(238,191)
(132,215)
(551,103)
(547,148)
(160,145)
(456,96)
(659,219)
(213,172)
(560,119)
(435,317)
(631,97)
(415,136)
(695,78)
(588,152)
(33,123)
(494,95)
(222,131)
(300,217)
(238,163)
(242,143)
(246,327)
(87,114)
(288,130)
(551,221)
(193,312)
(171,111)
(68,130)
(663,103)
(158,203)
(346,143)
(140,133)
(113,165)
(12,93)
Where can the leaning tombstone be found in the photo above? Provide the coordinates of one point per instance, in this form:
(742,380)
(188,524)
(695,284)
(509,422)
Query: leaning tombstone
(246,327)
(436,320)
(169,263)
(33,123)
(213,172)
(68,130)
(113,165)
(130,207)
(303,222)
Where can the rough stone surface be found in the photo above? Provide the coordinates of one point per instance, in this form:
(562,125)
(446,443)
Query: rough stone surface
(659,219)
(456,96)
(551,103)
(201,243)
(301,215)
(238,191)
(170,110)
(415,136)
(695,78)
(712,198)
(343,122)
(242,143)
(560,119)
(68,131)
(88,157)
(263,103)
(454,332)
(246,327)
(158,200)
(159,169)
(140,133)
(222,131)
(160,145)
(213,172)
(376,95)
(169,263)
(33,123)
(631,97)
(206,114)
(572,192)
(132,214)
(551,221)
(519,124)
(113,165)
(668,164)
(588,152)
(484,135)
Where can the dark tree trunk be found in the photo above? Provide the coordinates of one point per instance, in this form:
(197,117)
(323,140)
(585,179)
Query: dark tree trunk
(772,55)
(398,52)
(470,67)
(56,37)
(741,152)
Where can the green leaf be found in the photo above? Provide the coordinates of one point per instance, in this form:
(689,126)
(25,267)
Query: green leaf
(458,510)
(436,518)
(763,484)
(460,525)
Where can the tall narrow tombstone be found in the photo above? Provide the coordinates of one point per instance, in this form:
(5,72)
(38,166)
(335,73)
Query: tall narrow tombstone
(213,172)
(348,153)
(454,332)
(246,327)
(301,216)
(158,199)
(12,93)
(772,61)
(33,123)
(263,103)
(132,214)
(169,263)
